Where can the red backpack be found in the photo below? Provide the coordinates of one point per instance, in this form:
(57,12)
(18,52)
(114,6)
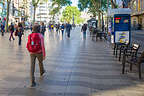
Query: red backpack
(34,43)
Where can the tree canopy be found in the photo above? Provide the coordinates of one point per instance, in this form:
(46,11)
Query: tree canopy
(58,4)
(94,6)
(71,13)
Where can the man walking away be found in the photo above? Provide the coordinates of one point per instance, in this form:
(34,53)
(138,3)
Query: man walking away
(68,29)
(42,28)
(35,46)
(11,29)
(83,30)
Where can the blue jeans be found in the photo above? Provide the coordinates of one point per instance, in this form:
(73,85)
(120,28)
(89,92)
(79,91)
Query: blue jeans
(84,34)
(62,32)
(68,34)
(19,40)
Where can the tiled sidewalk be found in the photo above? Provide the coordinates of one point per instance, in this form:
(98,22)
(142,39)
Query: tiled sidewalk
(75,67)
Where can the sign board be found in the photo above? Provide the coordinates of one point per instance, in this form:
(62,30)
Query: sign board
(122,37)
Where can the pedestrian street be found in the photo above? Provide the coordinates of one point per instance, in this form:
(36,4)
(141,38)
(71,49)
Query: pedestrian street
(74,67)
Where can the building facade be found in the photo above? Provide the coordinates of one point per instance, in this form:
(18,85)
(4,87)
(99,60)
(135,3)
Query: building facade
(18,10)
(42,12)
(137,17)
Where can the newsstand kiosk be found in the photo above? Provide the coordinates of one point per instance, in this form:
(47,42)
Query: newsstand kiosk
(119,25)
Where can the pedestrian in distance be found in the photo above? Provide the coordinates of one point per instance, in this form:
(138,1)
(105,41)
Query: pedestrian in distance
(52,27)
(35,46)
(2,29)
(15,26)
(62,29)
(16,29)
(20,32)
(49,27)
(68,29)
(83,30)
(56,27)
(42,28)
(11,30)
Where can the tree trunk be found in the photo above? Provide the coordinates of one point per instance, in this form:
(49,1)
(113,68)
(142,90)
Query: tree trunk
(7,18)
(113,4)
(102,21)
(34,14)
(115,1)
(99,20)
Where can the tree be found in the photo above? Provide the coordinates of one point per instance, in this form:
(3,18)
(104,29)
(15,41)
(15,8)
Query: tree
(96,7)
(113,3)
(35,5)
(7,16)
(58,4)
(70,13)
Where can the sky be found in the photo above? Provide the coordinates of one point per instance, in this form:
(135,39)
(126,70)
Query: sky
(74,2)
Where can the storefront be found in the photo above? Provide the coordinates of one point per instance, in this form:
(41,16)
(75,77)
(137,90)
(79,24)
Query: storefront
(137,20)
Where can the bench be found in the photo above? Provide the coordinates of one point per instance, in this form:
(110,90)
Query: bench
(138,60)
(129,52)
(129,49)
(118,46)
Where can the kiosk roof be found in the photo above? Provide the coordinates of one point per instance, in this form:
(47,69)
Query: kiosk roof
(112,12)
